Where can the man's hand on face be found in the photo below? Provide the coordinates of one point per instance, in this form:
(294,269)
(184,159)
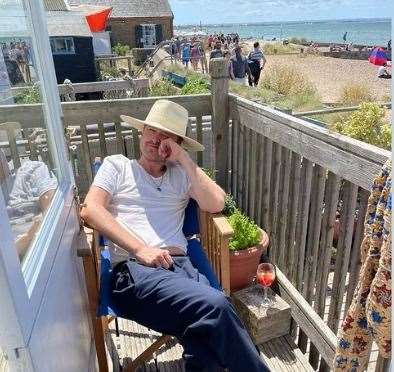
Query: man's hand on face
(170,150)
(154,257)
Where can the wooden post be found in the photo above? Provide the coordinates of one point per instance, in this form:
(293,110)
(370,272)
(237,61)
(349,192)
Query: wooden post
(220,115)
(129,65)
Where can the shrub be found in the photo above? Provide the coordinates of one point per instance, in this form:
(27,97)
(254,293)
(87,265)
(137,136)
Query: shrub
(355,94)
(294,40)
(110,71)
(210,172)
(367,124)
(121,49)
(162,87)
(286,81)
(230,206)
(299,41)
(246,232)
(195,85)
(30,95)
(279,48)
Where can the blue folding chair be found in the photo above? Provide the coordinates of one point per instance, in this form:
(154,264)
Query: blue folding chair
(199,227)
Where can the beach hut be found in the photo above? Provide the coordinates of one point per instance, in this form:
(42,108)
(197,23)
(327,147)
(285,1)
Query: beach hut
(71,43)
(141,24)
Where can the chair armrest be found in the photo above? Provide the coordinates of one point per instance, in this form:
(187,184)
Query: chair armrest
(222,226)
(216,233)
(85,245)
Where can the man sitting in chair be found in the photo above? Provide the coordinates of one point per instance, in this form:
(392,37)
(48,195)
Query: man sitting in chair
(139,206)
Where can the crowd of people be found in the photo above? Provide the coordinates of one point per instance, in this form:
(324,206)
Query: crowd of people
(18,57)
(242,69)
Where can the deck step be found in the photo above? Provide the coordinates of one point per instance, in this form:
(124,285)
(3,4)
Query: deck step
(282,354)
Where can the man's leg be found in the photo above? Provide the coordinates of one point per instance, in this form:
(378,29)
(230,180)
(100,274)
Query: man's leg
(257,77)
(199,316)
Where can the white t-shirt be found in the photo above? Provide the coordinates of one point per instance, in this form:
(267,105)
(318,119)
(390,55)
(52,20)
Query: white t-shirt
(155,217)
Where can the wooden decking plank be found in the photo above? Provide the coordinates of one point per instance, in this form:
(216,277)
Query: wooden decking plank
(281,354)
(304,366)
(133,340)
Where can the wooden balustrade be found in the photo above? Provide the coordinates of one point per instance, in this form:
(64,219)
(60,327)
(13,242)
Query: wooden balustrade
(96,138)
(293,177)
(67,92)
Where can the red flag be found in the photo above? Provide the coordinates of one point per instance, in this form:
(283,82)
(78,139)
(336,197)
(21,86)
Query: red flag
(98,20)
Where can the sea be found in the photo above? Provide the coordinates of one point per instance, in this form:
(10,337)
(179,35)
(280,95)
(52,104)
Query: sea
(371,32)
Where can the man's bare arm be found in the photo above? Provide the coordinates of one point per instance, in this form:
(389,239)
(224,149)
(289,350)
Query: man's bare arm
(209,196)
(96,214)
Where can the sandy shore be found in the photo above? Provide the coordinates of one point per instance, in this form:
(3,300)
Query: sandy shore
(330,75)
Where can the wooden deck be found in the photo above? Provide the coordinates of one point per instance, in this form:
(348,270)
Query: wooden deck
(281,354)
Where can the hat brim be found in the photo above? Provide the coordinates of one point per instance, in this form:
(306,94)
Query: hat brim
(187,143)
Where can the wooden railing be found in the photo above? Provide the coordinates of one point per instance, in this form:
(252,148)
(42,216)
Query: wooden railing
(292,177)
(94,129)
(67,92)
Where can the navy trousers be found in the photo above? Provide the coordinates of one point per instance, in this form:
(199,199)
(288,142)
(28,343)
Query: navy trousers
(180,302)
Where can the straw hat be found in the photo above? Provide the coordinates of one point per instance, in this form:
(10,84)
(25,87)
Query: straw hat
(169,117)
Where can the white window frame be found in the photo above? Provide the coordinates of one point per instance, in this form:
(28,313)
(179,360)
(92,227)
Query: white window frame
(67,39)
(27,281)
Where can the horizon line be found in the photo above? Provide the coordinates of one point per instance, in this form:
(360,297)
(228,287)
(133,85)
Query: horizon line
(274,22)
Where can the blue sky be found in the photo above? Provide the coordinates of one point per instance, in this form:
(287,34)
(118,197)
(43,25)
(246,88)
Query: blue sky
(247,11)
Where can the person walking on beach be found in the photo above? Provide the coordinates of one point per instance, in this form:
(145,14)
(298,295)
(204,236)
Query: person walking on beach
(256,62)
(178,47)
(194,56)
(239,67)
(203,58)
(344,37)
(185,54)
(217,52)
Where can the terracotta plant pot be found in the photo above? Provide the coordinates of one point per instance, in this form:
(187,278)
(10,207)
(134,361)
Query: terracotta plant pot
(243,263)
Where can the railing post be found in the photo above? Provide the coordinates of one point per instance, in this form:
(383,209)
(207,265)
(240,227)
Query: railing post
(220,118)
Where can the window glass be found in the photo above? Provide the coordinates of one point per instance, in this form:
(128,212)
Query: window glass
(62,45)
(28,177)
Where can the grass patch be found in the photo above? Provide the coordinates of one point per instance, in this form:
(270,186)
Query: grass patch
(355,93)
(195,84)
(289,89)
(279,48)
(162,87)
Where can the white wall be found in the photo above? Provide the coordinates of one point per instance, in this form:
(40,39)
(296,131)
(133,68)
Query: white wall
(101,43)
(61,340)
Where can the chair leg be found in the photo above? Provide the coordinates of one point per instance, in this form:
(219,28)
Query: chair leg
(116,327)
(148,353)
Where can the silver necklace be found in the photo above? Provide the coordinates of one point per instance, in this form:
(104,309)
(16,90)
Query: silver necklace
(158,186)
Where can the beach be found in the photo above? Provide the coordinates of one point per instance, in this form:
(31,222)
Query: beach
(330,75)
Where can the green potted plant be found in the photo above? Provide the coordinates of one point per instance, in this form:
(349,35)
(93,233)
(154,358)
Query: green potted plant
(246,246)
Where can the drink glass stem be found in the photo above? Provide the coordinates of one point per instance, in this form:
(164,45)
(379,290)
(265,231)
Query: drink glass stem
(265,290)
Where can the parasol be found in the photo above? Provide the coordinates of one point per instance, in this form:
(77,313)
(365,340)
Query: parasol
(378,57)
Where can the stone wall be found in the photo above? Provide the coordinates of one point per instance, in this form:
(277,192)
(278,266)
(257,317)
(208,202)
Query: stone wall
(123,29)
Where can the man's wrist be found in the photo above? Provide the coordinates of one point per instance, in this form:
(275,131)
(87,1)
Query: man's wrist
(184,158)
